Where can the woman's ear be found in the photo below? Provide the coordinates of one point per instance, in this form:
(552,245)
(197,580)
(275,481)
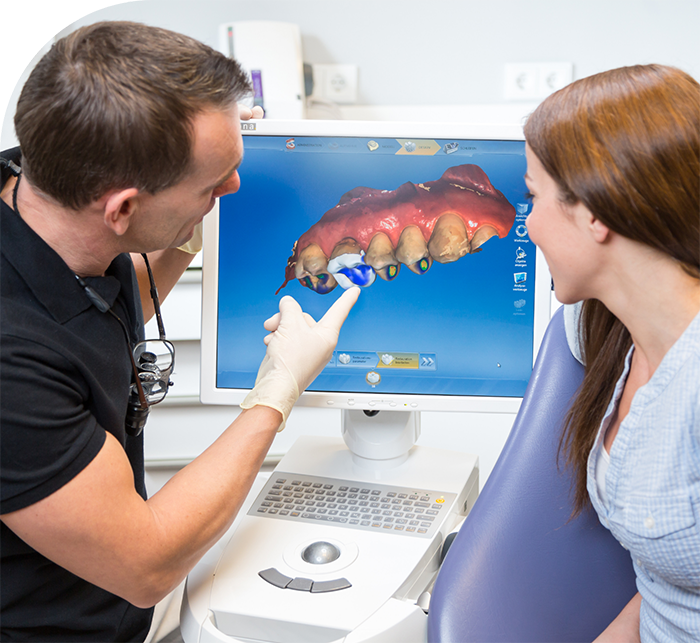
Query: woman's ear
(599,231)
(119,206)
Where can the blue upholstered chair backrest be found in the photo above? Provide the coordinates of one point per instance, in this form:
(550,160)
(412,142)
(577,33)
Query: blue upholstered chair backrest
(520,570)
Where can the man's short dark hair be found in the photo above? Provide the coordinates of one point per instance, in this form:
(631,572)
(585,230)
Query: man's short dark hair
(111,106)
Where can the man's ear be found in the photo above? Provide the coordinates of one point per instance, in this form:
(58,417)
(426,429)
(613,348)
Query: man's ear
(119,206)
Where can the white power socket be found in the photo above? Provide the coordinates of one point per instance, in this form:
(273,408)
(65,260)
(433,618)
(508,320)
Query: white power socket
(535,81)
(336,83)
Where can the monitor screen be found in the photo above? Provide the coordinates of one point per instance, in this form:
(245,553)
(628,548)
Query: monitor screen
(429,220)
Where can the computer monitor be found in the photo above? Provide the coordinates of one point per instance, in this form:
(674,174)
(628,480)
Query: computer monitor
(454,307)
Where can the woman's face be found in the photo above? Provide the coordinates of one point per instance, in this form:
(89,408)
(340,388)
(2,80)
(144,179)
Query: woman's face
(562,232)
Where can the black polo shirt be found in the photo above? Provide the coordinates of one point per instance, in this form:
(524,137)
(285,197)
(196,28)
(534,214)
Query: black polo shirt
(65,376)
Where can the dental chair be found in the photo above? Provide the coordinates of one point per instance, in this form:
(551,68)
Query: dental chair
(520,570)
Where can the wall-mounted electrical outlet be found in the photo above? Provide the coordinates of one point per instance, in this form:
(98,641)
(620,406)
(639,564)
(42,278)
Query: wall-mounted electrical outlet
(337,83)
(535,81)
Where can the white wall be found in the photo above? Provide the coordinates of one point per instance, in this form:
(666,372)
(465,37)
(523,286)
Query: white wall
(414,52)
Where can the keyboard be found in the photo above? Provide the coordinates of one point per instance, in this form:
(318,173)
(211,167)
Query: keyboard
(345,503)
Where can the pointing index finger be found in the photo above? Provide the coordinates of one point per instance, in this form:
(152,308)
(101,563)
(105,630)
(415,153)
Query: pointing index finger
(338,312)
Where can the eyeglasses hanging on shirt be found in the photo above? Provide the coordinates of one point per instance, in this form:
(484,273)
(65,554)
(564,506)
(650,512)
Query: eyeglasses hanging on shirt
(152,360)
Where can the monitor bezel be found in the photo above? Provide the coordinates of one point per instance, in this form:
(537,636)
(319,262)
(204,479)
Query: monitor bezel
(211,394)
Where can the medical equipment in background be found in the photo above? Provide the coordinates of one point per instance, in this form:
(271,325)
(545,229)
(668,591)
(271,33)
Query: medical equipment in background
(302,564)
(270,52)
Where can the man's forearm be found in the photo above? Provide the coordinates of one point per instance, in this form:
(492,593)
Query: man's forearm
(167,266)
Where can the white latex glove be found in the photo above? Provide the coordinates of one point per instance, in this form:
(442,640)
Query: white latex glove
(194,245)
(298,348)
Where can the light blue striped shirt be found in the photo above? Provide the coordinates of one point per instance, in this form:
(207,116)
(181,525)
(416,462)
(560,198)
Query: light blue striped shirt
(653,490)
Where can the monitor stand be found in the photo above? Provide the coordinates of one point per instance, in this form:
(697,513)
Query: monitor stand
(380,439)
(382,507)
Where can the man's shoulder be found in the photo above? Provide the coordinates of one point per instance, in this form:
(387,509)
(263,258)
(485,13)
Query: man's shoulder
(11,154)
(9,158)
(22,322)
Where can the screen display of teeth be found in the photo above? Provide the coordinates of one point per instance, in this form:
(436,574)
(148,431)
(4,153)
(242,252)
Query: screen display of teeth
(432,229)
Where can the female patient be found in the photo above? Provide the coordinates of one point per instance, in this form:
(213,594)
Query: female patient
(614,170)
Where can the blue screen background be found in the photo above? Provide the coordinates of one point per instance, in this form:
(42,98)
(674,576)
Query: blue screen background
(470,315)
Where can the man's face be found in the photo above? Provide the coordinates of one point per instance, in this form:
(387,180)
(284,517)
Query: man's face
(167,219)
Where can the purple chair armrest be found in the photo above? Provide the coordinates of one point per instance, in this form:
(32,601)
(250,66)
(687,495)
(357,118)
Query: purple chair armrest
(520,570)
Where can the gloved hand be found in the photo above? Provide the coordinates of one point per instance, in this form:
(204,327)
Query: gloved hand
(194,245)
(298,348)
